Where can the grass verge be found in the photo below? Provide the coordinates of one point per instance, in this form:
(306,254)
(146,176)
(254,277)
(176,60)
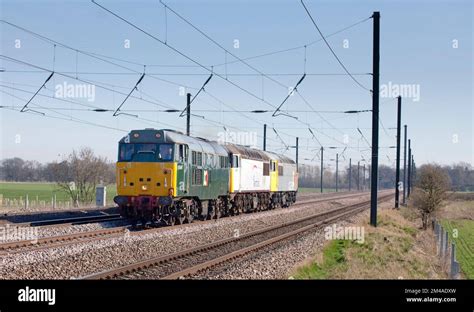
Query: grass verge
(395,249)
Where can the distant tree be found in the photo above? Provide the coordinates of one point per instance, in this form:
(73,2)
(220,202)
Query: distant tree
(329,179)
(48,172)
(462,176)
(17,169)
(80,174)
(31,171)
(386,177)
(12,169)
(430,190)
(109,177)
(353,176)
(308,176)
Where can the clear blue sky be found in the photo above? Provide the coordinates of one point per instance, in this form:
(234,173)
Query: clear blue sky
(416,49)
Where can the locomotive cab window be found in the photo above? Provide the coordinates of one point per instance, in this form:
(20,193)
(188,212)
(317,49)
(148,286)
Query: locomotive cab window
(235,161)
(165,152)
(266,169)
(182,153)
(146,152)
(273,166)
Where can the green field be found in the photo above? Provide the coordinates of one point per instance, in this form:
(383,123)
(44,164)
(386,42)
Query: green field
(464,243)
(44,191)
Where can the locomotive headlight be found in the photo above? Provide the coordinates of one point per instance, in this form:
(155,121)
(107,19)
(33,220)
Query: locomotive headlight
(144,187)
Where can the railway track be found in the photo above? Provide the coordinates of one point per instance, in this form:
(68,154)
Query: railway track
(194,260)
(65,221)
(54,211)
(39,218)
(60,240)
(80,237)
(328,198)
(77,220)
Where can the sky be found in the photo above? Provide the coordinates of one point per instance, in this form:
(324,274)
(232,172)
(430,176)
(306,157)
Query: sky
(426,51)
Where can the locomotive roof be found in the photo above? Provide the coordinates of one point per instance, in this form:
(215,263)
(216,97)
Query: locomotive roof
(172,136)
(199,144)
(252,153)
(247,152)
(281,158)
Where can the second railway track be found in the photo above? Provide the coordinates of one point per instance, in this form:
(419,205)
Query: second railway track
(194,260)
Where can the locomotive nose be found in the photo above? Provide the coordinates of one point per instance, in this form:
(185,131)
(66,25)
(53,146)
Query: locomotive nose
(146,178)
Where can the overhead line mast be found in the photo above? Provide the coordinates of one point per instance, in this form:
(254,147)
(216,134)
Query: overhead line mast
(375,120)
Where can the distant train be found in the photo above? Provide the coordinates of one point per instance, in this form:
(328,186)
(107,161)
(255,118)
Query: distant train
(167,177)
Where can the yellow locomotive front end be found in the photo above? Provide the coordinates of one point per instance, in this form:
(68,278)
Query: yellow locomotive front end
(146,174)
(146,178)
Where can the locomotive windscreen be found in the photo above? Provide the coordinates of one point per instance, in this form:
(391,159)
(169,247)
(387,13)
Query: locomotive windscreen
(146,152)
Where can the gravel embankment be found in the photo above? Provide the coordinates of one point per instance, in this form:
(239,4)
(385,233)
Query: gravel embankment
(88,257)
(279,260)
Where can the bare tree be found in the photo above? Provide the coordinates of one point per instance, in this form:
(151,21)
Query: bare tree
(430,190)
(462,176)
(80,173)
(386,177)
(12,169)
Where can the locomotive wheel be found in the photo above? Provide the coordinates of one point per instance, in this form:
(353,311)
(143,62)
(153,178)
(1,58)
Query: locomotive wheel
(190,218)
(218,213)
(180,219)
(171,220)
(213,210)
(226,211)
(178,213)
(215,213)
(171,216)
(192,212)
